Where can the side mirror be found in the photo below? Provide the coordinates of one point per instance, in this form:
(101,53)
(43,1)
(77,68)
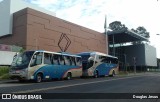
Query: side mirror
(32,62)
(20,59)
(34,56)
(90,59)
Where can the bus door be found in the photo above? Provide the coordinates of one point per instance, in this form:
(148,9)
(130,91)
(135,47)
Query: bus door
(35,64)
(106,64)
(57,66)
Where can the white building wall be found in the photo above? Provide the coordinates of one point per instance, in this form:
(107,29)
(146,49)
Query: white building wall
(145,55)
(5,18)
(6,57)
(8,7)
(150,55)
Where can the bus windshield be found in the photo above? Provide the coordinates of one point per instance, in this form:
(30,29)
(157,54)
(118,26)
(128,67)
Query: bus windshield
(87,61)
(22,60)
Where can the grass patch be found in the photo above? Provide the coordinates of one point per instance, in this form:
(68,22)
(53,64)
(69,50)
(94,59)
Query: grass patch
(4,70)
(4,76)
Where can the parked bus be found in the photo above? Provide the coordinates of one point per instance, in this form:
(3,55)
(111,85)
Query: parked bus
(98,64)
(42,65)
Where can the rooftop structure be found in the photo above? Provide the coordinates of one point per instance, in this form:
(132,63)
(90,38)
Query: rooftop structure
(8,7)
(124,36)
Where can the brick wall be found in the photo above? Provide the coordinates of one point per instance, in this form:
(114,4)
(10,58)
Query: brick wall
(35,30)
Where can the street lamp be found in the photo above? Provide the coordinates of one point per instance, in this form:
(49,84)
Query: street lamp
(159,63)
(105,27)
(113,45)
(125,61)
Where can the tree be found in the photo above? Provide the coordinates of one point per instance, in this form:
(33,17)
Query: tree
(117,25)
(134,30)
(141,31)
(21,50)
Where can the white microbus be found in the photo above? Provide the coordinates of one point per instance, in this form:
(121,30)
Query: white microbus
(41,65)
(98,64)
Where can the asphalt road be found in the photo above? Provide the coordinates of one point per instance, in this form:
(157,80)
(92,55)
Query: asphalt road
(118,88)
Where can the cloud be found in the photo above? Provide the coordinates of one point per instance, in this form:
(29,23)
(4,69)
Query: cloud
(81,12)
(133,13)
(91,13)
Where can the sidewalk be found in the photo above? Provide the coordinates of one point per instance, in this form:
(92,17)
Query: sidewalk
(5,81)
(131,74)
(138,73)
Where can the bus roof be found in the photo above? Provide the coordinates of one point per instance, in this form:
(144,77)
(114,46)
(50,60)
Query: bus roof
(97,53)
(60,53)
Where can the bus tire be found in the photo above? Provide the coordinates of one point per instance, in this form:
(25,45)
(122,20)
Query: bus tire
(39,78)
(113,74)
(69,76)
(96,74)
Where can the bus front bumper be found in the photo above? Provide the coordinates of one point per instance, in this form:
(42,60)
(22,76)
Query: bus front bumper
(18,74)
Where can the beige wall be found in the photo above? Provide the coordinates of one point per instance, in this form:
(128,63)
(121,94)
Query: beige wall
(35,30)
(19,30)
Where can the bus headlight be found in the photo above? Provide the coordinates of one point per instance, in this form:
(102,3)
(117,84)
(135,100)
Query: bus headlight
(32,77)
(21,72)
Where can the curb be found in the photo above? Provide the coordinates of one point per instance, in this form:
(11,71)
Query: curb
(4,81)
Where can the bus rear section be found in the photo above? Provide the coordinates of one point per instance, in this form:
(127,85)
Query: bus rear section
(98,64)
(45,65)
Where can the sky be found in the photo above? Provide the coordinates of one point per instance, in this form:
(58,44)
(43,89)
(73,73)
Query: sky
(91,14)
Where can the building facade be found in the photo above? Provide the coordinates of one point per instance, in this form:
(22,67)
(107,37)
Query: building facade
(35,30)
(8,7)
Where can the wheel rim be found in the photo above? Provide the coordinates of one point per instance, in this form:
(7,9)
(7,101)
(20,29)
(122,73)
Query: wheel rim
(113,73)
(68,76)
(39,78)
(96,75)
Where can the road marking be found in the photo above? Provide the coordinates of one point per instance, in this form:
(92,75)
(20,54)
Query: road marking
(15,83)
(10,85)
(64,86)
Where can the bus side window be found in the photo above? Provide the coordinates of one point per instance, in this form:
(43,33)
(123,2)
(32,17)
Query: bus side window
(109,60)
(73,61)
(61,60)
(114,61)
(37,59)
(78,61)
(55,59)
(104,59)
(67,60)
(47,58)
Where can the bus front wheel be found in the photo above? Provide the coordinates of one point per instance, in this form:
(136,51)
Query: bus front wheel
(96,74)
(113,74)
(69,76)
(39,78)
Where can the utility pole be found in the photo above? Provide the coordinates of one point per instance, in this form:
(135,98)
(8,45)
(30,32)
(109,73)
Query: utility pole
(105,28)
(134,61)
(125,61)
